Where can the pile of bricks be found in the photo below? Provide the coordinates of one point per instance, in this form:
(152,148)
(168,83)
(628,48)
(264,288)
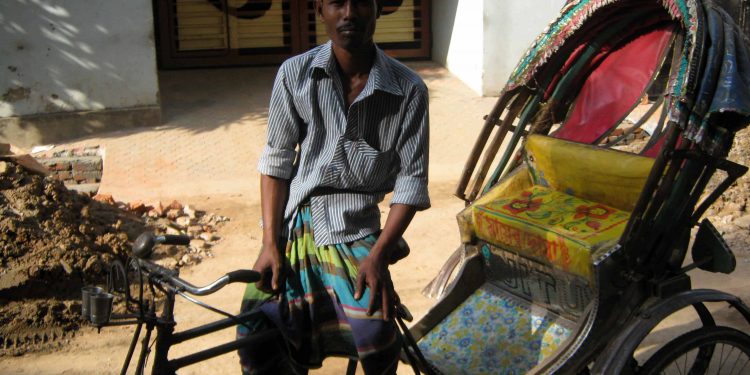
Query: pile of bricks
(79,169)
(175,219)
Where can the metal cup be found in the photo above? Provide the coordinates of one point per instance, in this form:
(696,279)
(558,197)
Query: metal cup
(101,308)
(86,293)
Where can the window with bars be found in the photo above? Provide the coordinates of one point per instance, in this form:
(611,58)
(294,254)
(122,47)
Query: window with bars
(195,33)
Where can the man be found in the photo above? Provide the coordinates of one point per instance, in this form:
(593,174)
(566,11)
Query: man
(347,125)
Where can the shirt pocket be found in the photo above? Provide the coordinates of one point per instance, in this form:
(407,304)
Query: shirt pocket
(367,166)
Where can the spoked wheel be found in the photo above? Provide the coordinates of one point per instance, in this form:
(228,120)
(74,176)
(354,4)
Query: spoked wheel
(708,350)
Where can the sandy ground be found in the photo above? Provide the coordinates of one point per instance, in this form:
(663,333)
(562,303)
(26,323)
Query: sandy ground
(205,155)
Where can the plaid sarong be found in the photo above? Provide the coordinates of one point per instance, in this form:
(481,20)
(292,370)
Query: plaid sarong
(317,314)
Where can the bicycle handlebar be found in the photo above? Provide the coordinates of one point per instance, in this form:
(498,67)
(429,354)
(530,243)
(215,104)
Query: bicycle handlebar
(170,277)
(144,244)
(143,248)
(243,276)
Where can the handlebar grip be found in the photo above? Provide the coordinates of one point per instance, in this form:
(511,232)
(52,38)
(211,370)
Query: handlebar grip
(243,276)
(144,244)
(169,239)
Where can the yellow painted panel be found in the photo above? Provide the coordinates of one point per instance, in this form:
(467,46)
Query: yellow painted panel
(201,7)
(257,42)
(206,31)
(397,17)
(516,181)
(202,44)
(201,21)
(266,31)
(547,225)
(606,176)
(189,38)
(263,29)
(200,26)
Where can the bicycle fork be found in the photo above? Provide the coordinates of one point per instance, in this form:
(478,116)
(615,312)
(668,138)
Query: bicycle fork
(164,330)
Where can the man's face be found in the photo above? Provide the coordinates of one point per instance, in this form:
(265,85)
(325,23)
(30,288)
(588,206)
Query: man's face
(350,24)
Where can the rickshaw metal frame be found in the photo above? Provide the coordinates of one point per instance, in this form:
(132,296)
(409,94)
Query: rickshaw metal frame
(647,318)
(640,281)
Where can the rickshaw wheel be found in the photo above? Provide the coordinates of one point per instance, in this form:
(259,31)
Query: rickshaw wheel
(708,350)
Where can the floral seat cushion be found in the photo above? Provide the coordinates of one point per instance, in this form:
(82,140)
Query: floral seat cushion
(550,226)
(493,332)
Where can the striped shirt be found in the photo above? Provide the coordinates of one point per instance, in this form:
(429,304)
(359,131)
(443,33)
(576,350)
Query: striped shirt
(345,160)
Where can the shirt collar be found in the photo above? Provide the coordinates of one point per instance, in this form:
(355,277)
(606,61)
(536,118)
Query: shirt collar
(381,74)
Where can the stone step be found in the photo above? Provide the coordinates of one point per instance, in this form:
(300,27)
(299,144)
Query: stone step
(90,189)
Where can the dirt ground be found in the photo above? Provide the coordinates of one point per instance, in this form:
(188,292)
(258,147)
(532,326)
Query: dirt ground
(156,164)
(90,353)
(456,116)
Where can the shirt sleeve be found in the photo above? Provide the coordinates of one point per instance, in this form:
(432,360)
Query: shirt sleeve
(280,150)
(413,151)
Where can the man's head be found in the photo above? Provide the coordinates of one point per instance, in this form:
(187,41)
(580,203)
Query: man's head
(350,24)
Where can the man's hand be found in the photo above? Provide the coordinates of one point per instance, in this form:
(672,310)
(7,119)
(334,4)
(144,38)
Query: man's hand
(373,273)
(271,267)
(271,261)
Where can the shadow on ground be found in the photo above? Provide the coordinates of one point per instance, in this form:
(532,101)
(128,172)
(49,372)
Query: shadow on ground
(206,99)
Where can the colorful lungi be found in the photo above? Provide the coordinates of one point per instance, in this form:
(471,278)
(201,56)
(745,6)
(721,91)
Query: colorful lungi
(317,313)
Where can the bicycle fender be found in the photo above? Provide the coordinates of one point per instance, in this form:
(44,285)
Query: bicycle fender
(612,361)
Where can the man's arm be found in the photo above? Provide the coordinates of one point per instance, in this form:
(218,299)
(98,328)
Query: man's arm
(409,196)
(275,166)
(373,271)
(273,196)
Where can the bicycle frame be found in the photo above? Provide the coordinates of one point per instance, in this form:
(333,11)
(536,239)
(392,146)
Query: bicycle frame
(166,337)
(169,284)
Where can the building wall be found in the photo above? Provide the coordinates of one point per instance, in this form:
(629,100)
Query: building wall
(509,28)
(480,41)
(68,57)
(457,38)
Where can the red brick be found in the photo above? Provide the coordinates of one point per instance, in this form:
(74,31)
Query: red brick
(59,166)
(156,209)
(138,207)
(104,198)
(87,164)
(88,175)
(175,205)
(63,175)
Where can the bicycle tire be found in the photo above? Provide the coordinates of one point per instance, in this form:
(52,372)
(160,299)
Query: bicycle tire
(697,351)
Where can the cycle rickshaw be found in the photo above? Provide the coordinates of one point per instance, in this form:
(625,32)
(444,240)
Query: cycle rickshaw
(573,251)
